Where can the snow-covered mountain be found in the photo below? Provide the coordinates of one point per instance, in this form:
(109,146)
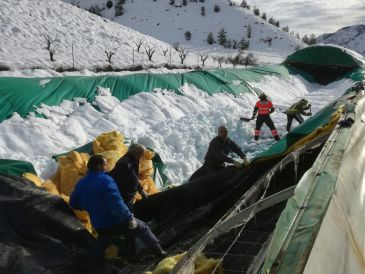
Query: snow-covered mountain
(351,37)
(24,25)
(169,23)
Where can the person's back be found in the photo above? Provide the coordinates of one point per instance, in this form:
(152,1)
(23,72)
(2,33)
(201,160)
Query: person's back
(97,193)
(263,108)
(299,107)
(125,174)
(295,111)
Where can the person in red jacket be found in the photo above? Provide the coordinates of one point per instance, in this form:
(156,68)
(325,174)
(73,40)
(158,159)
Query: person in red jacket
(263,109)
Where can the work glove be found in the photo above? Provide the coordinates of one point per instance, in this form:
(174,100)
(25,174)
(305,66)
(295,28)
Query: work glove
(144,194)
(237,164)
(132,224)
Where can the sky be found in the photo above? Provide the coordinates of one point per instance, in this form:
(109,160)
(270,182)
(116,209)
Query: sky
(313,16)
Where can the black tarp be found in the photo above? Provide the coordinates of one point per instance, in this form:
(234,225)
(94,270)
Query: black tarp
(38,231)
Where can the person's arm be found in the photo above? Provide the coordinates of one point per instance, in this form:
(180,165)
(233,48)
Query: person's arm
(272,108)
(132,177)
(254,112)
(113,201)
(236,149)
(74,199)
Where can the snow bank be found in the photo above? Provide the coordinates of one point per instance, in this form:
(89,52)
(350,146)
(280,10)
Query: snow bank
(178,127)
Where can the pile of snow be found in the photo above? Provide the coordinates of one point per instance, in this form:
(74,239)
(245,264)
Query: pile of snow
(352,37)
(178,127)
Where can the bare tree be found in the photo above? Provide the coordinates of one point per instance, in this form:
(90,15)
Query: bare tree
(220,60)
(182,54)
(110,53)
(52,45)
(164,51)
(203,58)
(139,44)
(149,51)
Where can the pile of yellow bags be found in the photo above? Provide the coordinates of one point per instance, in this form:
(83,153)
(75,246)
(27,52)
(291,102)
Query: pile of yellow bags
(73,166)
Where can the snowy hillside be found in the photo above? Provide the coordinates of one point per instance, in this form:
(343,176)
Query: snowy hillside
(352,37)
(23,45)
(169,23)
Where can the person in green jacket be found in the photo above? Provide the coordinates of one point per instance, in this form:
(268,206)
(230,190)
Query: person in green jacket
(295,111)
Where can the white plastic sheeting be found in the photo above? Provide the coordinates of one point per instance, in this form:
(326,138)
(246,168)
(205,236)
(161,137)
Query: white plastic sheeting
(340,244)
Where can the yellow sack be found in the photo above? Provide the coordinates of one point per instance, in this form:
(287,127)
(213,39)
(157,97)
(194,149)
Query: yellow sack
(111,157)
(148,186)
(203,265)
(167,264)
(71,168)
(146,165)
(107,141)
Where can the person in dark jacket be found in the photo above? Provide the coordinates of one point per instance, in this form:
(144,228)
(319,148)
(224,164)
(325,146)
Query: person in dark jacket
(125,174)
(295,111)
(263,109)
(98,194)
(217,155)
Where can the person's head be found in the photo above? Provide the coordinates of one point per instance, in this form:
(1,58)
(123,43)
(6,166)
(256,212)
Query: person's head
(97,163)
(136,150)
(223,132)
(304,101)
(263,96)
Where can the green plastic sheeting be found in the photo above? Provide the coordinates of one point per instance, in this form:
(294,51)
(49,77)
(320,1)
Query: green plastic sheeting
(300,221)
(24,95)
(325,56)
(16,168)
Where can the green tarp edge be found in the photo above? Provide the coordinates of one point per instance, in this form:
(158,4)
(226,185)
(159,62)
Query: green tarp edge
(15,167)
(301,219)
(24,95)
(325,55)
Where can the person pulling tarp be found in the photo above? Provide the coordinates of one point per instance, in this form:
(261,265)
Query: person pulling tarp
(217,155)
(125,174)
(263,109)
(295,111)
(98,194)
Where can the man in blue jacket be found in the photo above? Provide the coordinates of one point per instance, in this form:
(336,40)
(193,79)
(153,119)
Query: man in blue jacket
(125,174)
(98,194)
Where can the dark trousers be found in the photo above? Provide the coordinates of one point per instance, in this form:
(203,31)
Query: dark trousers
(261,119)
(106,236)
(204,171)
(290,117)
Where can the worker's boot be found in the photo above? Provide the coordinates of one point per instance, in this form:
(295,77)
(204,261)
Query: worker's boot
(160,254)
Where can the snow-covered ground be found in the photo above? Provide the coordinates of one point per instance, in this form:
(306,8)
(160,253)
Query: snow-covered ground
(178,127)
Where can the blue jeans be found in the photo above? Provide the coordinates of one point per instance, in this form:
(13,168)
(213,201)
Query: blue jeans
(106,236)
